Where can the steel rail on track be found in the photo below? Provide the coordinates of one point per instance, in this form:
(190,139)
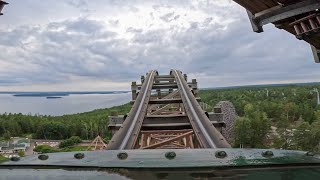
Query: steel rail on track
(207,134)
(127,135)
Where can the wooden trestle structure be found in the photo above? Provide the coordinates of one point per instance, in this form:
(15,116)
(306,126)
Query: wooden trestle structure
(298,17)
(166,115)
(97,144)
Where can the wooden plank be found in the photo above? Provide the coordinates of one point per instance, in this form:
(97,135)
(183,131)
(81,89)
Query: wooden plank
(165,79)
(270,3)
(165,101)
(165,119)
(164,76)
(166,125)
(256,6)
(259,4)
(161,86)
(248,5)
(267,10)
(168,101)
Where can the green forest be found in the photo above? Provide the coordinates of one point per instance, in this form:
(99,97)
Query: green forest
(286,117)
(85,125)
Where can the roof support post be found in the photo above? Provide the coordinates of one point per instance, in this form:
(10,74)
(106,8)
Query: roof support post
(255,26)
(316,54)
(2,4)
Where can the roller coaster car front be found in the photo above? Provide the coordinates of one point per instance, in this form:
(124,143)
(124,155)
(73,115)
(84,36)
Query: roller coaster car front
(166,164)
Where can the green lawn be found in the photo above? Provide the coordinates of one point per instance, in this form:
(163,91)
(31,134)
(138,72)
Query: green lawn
(3,158)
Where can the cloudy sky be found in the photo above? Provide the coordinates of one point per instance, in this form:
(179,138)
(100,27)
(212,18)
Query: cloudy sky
(105,44)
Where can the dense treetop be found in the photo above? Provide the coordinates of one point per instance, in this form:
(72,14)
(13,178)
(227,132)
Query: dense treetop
(85,125)
(285,117)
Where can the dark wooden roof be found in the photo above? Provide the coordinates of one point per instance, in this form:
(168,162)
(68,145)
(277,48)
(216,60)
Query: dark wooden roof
(256,6)
(263,7)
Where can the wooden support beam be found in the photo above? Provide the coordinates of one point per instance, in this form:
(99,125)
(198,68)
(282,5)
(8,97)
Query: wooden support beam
(170,95)
(164,76)
(165,79)
(176,144)
(215,123)
(166,131)
(168,85)
(316,54)
(179,125)
(168,101)
(190,141)
(2,4)
(165,101)
(165,142)
(134,89)
(167,126)
(159,110)
(144,140)
(163,86)
(255,26)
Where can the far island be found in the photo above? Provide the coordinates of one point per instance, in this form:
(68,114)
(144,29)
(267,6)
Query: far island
(53,97)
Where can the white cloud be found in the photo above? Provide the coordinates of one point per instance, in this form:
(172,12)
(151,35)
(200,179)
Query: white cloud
(106,44)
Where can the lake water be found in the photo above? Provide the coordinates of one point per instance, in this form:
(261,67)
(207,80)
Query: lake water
(74,103)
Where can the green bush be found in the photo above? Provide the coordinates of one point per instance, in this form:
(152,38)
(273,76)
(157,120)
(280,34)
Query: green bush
(76,139)
(21,153)
(70,142)
(45,149)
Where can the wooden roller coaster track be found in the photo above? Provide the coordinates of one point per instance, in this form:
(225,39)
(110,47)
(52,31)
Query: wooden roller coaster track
(166,115)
